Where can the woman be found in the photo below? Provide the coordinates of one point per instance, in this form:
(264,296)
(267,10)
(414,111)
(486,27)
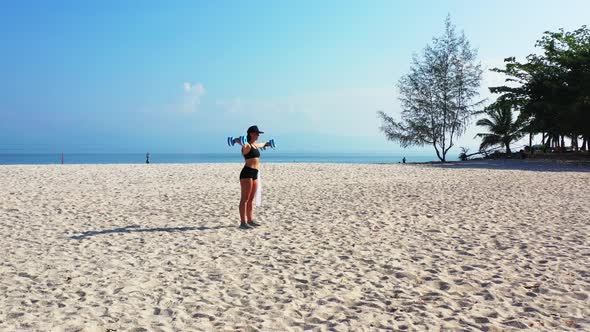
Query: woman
(249,177)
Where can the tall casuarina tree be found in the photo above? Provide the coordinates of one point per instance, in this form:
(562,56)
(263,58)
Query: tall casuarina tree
(437,95)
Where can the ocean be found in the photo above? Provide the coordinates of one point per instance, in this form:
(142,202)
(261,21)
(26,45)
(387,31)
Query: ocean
(169,158)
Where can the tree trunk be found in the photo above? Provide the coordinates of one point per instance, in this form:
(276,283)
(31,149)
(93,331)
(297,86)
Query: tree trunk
(508,152)
(531,143)
(438,153)
(562,143)
(573,142)
(583,143)
(546,142)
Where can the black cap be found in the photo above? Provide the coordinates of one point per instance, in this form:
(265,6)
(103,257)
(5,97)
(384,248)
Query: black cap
(254,129)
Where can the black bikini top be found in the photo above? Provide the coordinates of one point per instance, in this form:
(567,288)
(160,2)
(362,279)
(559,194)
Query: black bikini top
(253,153)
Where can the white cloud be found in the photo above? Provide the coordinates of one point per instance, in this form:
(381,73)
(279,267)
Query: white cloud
(191,99)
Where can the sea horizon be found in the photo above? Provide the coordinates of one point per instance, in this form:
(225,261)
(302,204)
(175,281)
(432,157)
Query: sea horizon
(185,158)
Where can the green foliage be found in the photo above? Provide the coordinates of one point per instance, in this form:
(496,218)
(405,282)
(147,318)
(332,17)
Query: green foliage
(553,92)
(501,129)
(437,95)
(463,156)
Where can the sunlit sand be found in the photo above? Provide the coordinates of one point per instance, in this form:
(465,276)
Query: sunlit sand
(342,248)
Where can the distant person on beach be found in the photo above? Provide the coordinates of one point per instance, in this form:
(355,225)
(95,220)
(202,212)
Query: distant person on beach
(147,158)
(249,176)
(403,160)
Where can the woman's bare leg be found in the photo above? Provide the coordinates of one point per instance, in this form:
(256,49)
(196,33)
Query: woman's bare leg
(250,201)
(246,188)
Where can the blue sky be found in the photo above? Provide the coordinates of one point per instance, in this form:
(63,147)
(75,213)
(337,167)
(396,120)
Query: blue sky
(180,76)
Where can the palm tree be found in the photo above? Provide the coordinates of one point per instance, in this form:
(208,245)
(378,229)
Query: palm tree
(502,131)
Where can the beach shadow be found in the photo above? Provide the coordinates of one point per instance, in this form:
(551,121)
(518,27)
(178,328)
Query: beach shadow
(138,229)
(516,164)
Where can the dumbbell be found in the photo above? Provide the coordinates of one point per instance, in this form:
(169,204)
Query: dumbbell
(272,144)
(231,141)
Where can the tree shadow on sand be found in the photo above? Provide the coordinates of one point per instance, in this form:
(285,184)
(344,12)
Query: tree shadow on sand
(138,229)
(517,165)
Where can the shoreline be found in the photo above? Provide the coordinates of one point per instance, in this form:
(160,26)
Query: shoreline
(524,164)
(491,162)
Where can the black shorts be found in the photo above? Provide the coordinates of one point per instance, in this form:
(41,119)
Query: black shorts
(249,173)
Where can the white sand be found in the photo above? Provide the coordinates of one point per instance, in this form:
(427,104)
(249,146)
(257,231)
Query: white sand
(342,248)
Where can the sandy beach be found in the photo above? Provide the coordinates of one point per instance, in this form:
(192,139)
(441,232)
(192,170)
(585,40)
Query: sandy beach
(468,247)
